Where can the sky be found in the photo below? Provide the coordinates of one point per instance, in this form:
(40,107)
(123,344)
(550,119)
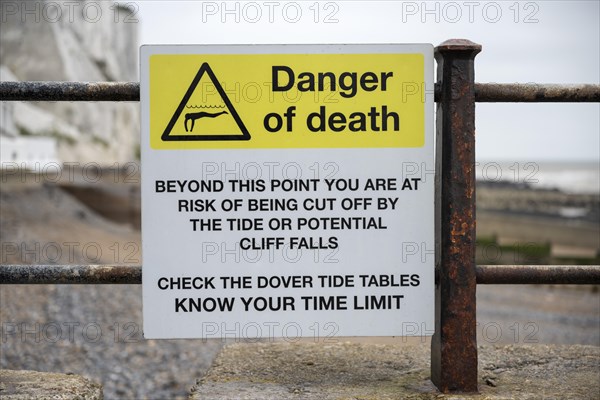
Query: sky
(524,41)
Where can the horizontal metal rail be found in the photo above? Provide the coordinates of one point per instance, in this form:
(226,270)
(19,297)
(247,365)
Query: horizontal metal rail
(536,93)
(70,91)
(538,274)
(70,274)
(130,91)
(132,274)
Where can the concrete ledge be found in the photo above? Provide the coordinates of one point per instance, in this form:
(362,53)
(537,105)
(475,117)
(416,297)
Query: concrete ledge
(373,371)
(21,385)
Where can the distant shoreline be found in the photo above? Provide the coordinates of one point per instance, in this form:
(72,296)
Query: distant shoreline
(567,225)
(573,177)
(530,201)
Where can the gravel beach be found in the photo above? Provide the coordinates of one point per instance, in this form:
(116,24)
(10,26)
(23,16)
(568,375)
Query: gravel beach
(91,330)
(95,331)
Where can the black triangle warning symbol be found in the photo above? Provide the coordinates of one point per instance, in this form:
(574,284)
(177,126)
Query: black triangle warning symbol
(185,131)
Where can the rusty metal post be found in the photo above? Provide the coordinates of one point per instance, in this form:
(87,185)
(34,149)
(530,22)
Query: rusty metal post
(454,344)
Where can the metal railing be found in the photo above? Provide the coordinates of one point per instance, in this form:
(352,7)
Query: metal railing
(116,274)
(454,344)
(130,91)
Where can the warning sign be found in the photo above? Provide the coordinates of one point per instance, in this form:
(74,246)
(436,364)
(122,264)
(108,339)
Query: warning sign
(287,191)
(195,106)
(283,101)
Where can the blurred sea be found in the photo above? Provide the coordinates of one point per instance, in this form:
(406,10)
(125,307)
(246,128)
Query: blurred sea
(567,176)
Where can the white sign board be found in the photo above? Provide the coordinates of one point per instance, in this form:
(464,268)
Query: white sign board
(287,191)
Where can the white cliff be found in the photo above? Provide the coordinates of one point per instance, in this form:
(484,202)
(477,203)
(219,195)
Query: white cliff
(85,41)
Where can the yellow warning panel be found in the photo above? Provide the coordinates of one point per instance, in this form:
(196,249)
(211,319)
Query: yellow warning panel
(228,101)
